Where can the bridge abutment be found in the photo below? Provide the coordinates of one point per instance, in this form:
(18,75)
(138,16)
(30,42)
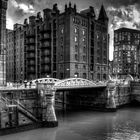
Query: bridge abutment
(111,91)
(38,99)
(49,116)
(47,94)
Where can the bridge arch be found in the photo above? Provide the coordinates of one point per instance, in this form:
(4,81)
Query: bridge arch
(65,83)
(45,80)
(33,83)
(76,83)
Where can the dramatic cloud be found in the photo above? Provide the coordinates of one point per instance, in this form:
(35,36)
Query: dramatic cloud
(17,11)
(119,3)
(123,15)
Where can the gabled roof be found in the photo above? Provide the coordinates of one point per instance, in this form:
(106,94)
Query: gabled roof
(102,15)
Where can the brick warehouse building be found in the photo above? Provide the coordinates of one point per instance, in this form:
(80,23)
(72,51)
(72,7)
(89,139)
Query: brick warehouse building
(15,54)
(3,8)
(63,45)
(126,52)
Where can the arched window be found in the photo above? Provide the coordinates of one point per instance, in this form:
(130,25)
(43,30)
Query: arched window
(76,74)
(84,75)
(76,57)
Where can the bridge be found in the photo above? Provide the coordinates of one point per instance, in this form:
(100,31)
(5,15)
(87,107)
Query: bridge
(70,83)
(135,91)
(104,94)
(46,89)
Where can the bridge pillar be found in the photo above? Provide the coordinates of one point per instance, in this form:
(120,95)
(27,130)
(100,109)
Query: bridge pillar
(50,119)
(111,90)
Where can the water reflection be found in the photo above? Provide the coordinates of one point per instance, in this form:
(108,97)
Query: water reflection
(88,125)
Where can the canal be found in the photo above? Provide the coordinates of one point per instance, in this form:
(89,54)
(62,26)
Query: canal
(88,125)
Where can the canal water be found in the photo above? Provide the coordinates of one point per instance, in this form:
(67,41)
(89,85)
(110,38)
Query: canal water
(88,125)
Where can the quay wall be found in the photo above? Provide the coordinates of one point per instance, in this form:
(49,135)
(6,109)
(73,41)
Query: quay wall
(95,99)
(11,120)
(122,95)
(135,90)
(23,110)
(127,94)
(21,128)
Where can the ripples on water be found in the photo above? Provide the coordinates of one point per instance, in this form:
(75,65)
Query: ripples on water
(88,125)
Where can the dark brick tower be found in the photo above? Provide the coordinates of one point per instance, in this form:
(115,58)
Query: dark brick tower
(3,8)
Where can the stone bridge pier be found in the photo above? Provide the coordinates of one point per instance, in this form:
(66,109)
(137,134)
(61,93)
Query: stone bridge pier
(111,91)
(47,95)
(49,116)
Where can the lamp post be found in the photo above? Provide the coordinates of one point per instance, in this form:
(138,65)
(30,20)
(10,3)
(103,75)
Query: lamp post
(75,75)
(25,83)
(67,75)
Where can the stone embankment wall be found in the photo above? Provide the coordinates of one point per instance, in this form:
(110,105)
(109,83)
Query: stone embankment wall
(135,90)
(122,95)
(126,94)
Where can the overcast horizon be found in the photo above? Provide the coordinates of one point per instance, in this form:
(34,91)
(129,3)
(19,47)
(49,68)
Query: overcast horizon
(124,13)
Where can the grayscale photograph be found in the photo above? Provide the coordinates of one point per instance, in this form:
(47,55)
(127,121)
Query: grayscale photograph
(69,70)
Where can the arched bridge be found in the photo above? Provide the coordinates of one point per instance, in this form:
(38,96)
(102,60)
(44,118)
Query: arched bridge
(70,83)
(45,88)
(73,83)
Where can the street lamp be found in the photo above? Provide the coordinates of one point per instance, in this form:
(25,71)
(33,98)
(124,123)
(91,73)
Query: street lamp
(25,83)
(67,75)
(75,75)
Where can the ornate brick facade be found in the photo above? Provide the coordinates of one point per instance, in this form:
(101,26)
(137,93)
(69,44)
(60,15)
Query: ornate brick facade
(68,44)
(3,8)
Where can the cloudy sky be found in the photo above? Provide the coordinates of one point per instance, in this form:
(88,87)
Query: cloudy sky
(121,13)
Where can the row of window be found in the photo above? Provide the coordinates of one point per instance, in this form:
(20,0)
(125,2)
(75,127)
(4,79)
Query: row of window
(99,60)
(76,49)
(10,37)
(99,52)
(101,77)
(126,54)
(80,21)
(101,68)
(76,74)
(76,31)
(76,66)
(127,36)
(101,36)
(125,70)
(77,57)
(76,39)
(125,47)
